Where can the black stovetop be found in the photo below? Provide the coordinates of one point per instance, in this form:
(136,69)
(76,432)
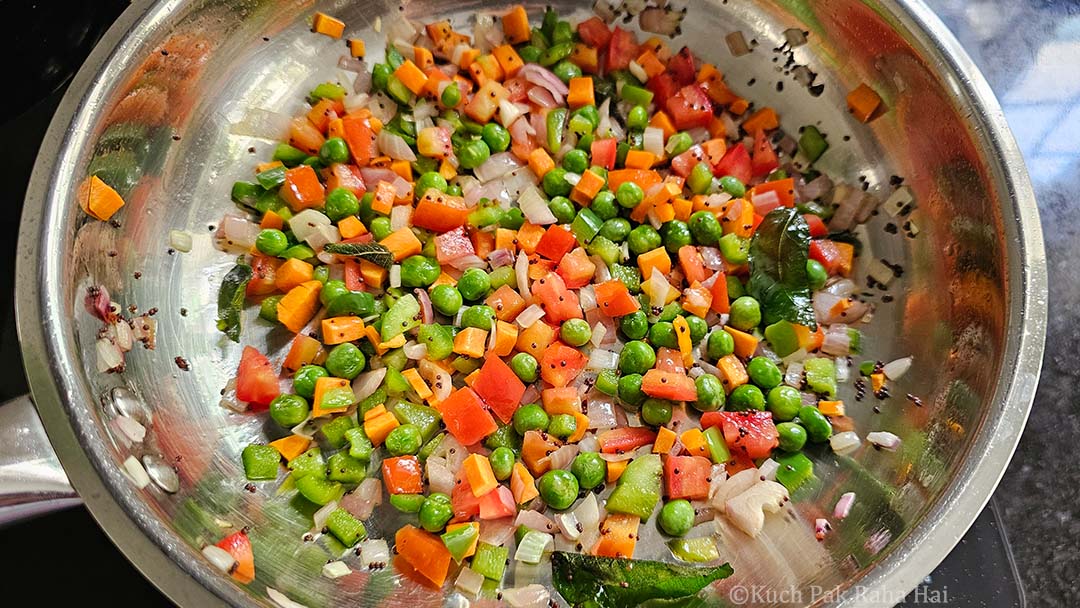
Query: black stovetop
(979,572)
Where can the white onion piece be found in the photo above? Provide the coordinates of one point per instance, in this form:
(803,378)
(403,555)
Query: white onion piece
(712,259)
(537,74)
(281,599)
(530,315)
(598,332)
(845,443)
(469,581)
(109,356)
(382,107)
(529,596)
(535,520)
(535,208)
(320,516)
(521,273)
(440,478)
(452,450)
(895,369)
(136,472)
(568,525)
(884,440)
(180,240)
(131,428)
(508,112)
(497,531)
(466,262)
(374,552)
(588,512)
(843,506)
(121,333)
(307,223)
(793,375)
(366,383)
(653,141)
(238,232)
(363,500)
(601,359)
(843,369)
(837,341)
(601,415)
(587,298)
(500,258)
(336,569)
(394,146)
(768,469)
(563,456)
(589,443)
(658,289)
(415,350)
(496,166)
(219,558)
(765,201)
(541,97)
(437,378)
(400,216)
(395,275)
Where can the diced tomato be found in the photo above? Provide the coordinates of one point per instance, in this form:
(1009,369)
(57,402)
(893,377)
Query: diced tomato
(604,152)
(556,242)
(354,279)
(623,440)
(687,477)
(256,382)
(736,163)
(561,364)
(465,417)
(784,189)
(576,269)
(763,204)
(622,49)
(817,226)
(558,302)
(403,475)
(594,32)
(738,462)
(693,266)
(614,299)
(669,360)
(238,545)
(663,87)
(684,163)
(263,273)
(837,258)
(751,433)
(424,559)
(465,505)
(452,245)
(681,66)
(720,302)
(497,504)
(690,108)
(360,137)
(499,387)
(764,160)
(340,175)
(517,89)
(668,385)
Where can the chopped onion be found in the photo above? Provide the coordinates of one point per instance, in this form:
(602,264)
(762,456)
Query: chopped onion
(415,350)
(542,97)
(427,315)
(589,443)
(658,289)
(711,257)
(601,415)
(496,166)
(587,298)
(437,378)
(895,369)
(263,124)
(220,558)
(382,107)
(238,232)
(531,547)
(320,516)
(454,453)
(843,506)
(841,287)
(281,599)
(374,552)
(336,569)
(563,456)
(845,443)
(537,74)
(816,188)
(601,359)
(535,208)
(529,596)
(837,341)
(598,332)
(440,478)
(793,375)
(571,178)
(307,223)
(463,263)
(395,276)
(663,20)
(764,202)
(180,240)
(843,369)
(530,315)
(360,98)
(653,141)
(509,112)
(468,581)
(736,43)
(367,383)
(848,200)
(500,258)
(363,500)
(588,512)
(884,440)
(401,28)
(497,531)
(400,217)
(535,520)
(394,146)
(109,356)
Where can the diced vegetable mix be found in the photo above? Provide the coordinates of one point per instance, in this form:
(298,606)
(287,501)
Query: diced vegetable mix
(521,272)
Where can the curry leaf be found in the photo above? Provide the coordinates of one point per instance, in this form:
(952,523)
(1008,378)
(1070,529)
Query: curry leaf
(605,582)
(372,252)
(778,279)
(231,300)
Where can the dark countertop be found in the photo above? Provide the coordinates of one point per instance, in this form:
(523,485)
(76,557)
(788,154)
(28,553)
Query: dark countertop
(1029,51)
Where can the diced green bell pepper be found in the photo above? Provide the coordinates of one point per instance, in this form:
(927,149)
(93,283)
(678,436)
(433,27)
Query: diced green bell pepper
(334,431)
(288,155)
(354,303)
(345,527)
(718,448)
(504,437)
(260,462)
(346,469)
(585,226)
(638,489)
(359,445)
(812,143)
(697,550)
(402,316)
(782,338)
(605,248)
(459,540)
(308,464)
(795,469)
(395,383)
(407,503)
(425,418)
(490,560)
(629,275)
(821,375)
(318,490)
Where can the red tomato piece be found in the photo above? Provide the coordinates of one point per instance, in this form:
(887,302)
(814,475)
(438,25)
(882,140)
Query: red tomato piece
(439,213)
(693,266)
(354,281)
(663,87)
(340,175)
(752,434)
(681,66)
(604,152)
(561,364)
(465,417)
(720,302)
(403,475)
(594,32)
(622,49)
(690,108)
(452,245)
(764,160)
(817,226)
(558,302)
(736,163)
(576,269)
(238,545)
(361,139)
(829,254)
(462,501)
(620,441)
(687,477)
(556,242)
(256,381)
(614,299)
(497,504)
(669,360)
(684,163)
(263,273)
(668,385)
(499,387)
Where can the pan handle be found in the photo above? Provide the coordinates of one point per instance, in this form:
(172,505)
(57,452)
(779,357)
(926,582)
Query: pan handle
(32,482)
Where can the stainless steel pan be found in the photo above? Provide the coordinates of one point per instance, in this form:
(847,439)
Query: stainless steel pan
(970,307)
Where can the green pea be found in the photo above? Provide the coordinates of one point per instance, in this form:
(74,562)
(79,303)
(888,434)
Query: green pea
(636,357)
(705,228)
(746,397)
(419,271)
(558,488)
(289,410)
(576,161)
(562,209)
(430,180)
(745,313)
(380,228)
(656,412)
(271,241)
(454,190)
(435,513)
(530,417)
(321,274)
(734,248)
(784,402)
(446,299)
(629,195)
(634,325)
(816,424)
(525,367)
(676,235)
(764,373)
(479,316)
(555,183)
(405,439)
(698,328)
(345,361)
(630,392)
(679,143)
(473,154)
(662,334)
(502,462)
(451,95)
(439,340)
(642,239)
(604,205)
(720,344)
(638,118)
(816,274)
(341,203)
(566,70)
(496,137)
(562,426)
(575,332)
(700,179)
(676,517)
(792,436)
(474,284)
(733,186)
(589,469)
(331,290)
(710,393)
(305,378)
(735,288)
(512,218)
(334,150)
(616,229)
(268,308)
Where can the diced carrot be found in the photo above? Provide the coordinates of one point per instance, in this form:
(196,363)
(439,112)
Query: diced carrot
(585,57)
(863,102)
(273,164)
(657,258)
(402,243)
(323,112)
(665,440)
(327,26)
(640,159)
(505,338)
(417,383)
(371,273)
(650,63)
(682,332)
(411,76)
(322,386)
(425,552)
(581,92)
(697,300)
(291,446)
(662,121)
(658,46)
(292,273)
(302,188)
(471,342)
(738,106)
(694,442)
(615,470)
(305,350)
(299,305)
(478,471)
(529,236)
(357,48)
(470,380)
(351,227)
(396,342)
(877,382)
(98,199)
(739,219)
(271,220)
(846,259)
(522,484)
(618,536)
(708,73)
(516,25)
(404,169)
(535,450)
(423,59)
(438,31)
(506,302)
(360,135)
(508,59)
(733,372)
(683,209)
(540,162)
(587,188)
(831,408)
(505,238)
(745,344)
(535,339)
(764,119)
(338,330)
(379,426)
(581,426)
